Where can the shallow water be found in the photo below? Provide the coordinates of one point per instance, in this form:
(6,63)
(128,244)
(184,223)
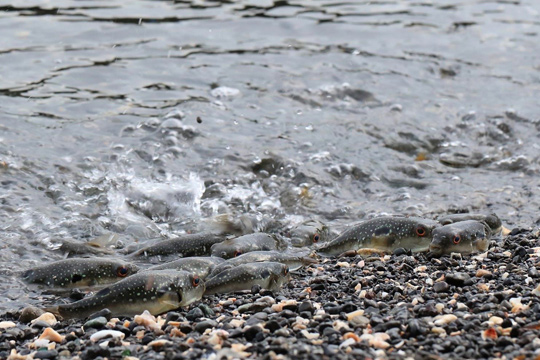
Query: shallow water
(146,118)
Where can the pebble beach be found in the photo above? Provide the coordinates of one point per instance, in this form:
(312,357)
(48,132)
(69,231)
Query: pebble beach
(399,306)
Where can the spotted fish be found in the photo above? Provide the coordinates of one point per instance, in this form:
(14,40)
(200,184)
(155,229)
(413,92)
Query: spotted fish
(491,220)
(252,242)
(383,234)
(200,266)
(184,246)
(157,291)
(268,275)
(463,237)
(79,272)
(293,260)
(309,233)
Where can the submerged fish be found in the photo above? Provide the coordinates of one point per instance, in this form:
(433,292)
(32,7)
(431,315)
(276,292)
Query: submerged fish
(185,246)
(383,234)
(200,266)
(293,261)
(79,272)
(463,237)
(268,275)
(157,291)
(309,233)
(491,220)
(252,242)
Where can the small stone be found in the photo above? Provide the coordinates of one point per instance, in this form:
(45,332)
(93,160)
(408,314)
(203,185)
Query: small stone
(272,325)
(495,320)
(203,325)
(482,273)
(47,317)
(441,286)
(308,335)
(149,321)
(114,334)
(507,323)
(96,323)
(7,324)
(444,319)
(194,314)
(159,343)
(46,354)
(207,310)
(536,291)
(490,333)
(438,330)
(306,306)
(30,313)
(51,335)
(458,279)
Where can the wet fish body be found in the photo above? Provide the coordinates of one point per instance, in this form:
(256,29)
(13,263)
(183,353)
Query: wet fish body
(293,261)
(157,291)
(268,275)
(309,233)
(247,243)
(492,220)
(80,272)
(463,237)
(200,266)
(384,234)
(184,246)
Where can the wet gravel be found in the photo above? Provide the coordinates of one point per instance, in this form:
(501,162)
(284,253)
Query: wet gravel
(398,306)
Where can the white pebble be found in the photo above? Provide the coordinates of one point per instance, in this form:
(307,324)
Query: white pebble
(107,333)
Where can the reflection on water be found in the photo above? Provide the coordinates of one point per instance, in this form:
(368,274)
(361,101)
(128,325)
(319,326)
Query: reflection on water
(147,118)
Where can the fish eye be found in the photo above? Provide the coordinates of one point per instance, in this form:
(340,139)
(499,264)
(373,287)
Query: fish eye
(196,281)
(316,238)
(456,239)
(285,270)
(237,253)
(122,271)
(420,231)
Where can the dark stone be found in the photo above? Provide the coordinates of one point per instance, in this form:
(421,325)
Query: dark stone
(208,312)
(272,325)
(172,316)
(441,286)
(106,313)
(96,323)
(203,325)
(40,324)
(506,323)
(46,354)
(255,289)
(30,313)
(147,338)
(458,279)
(77,294)
(186,328)
(251,332)
(415,328)
(95,351)
(428,310)
(514,332)
(194,314)
(386,325)
(400,251)
(318,287)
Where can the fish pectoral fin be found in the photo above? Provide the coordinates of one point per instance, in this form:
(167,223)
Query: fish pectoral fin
(169,297)
(368,252)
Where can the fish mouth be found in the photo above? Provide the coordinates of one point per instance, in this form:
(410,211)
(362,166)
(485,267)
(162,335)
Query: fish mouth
(435,250)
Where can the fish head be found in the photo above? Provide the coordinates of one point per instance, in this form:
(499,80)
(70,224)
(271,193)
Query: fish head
(463,237)
(309,233)
(187,288)
(277,273)
(226,249)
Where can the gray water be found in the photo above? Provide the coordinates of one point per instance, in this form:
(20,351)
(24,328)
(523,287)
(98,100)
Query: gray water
(148,118)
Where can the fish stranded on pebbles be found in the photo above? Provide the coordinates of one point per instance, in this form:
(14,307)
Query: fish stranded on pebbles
(243,244)
(463,237)
(79,272)
(309,233)
(293,260)
(184,246)
(491,220)
(268,275)
(157,291)
(197,265)
(383,234)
